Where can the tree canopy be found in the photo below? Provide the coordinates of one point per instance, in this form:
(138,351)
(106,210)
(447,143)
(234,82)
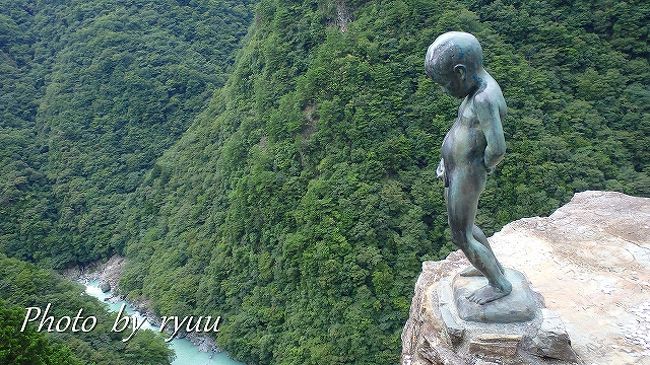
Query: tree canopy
(301,203)
(95,91)
(300,199)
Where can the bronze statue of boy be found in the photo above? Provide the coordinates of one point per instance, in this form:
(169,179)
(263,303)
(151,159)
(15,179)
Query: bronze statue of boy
(473,147)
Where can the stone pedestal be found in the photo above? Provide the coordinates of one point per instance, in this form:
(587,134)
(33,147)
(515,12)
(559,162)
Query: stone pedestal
(515,329)
(521,305)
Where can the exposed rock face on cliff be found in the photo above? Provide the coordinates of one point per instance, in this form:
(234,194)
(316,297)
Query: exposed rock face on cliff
(590,260)
(108,273)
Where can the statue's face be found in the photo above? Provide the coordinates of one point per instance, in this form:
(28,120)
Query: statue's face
(453,83)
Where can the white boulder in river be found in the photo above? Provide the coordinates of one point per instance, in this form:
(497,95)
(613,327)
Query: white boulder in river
(590,261)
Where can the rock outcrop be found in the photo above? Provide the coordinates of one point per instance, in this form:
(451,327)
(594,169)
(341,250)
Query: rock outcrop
(590,261)
(107,272)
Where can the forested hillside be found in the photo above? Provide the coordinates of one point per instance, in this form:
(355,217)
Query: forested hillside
(301,203)
(28,347)
(302,199)
(23,285)
(92,93)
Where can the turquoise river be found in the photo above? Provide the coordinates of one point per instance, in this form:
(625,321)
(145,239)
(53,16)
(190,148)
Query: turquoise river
(186,352)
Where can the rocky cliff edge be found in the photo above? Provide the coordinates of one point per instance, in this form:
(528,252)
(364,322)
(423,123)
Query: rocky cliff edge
(590,260)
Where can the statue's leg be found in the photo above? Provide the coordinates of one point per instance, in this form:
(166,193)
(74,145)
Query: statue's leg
(462,201)
(480,236)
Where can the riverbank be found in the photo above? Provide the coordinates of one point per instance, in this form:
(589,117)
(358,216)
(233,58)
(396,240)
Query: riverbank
(107,274)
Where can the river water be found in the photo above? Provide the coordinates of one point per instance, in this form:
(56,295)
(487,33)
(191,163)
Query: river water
(186,352)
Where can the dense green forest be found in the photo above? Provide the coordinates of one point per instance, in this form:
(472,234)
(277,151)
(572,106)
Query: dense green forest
(302,199)
(92,93)
(302,202)
(23,285)
(28,347)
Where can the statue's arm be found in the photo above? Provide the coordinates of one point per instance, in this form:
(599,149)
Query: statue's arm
(490,121)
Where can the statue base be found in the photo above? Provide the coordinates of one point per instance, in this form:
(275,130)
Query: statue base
(521,305)
(515,329)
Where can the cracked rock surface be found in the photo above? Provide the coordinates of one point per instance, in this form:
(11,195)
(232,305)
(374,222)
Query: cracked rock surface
(590,260)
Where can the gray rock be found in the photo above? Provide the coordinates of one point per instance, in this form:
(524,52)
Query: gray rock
(495,346)
(438,355)
(453,329)
(551,338)
(105,287)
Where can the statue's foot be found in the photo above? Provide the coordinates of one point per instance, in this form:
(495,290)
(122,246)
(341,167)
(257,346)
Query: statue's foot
(470,271)
(489,293)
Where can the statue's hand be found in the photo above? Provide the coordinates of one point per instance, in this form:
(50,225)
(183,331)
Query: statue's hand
(440,171)
(491,158)
(489,169)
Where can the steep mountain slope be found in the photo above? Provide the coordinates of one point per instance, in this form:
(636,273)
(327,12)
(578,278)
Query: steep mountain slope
(96,91)
(91,93)
(23,69)
(24,285)
(301,203)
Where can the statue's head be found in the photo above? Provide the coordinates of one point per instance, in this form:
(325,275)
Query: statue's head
(454,60)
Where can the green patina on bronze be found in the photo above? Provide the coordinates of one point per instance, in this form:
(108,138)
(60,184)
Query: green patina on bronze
(473,147)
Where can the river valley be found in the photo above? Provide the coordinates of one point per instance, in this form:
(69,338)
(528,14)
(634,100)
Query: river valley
(187,353)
